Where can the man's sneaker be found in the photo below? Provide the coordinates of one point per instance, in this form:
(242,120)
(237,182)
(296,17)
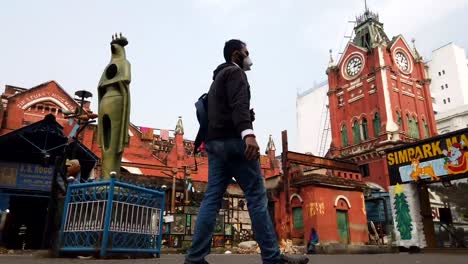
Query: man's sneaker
(293,260)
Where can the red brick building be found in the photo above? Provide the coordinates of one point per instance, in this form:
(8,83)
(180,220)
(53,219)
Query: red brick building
(148,153)
(378,97)
(153,159)
(332,202)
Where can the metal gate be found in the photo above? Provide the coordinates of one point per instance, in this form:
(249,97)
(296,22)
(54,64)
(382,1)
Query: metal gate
(112,217)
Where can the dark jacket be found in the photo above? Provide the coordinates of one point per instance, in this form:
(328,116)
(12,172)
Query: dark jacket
(228,103)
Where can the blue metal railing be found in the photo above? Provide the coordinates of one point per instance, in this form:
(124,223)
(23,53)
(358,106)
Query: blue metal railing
(112,217)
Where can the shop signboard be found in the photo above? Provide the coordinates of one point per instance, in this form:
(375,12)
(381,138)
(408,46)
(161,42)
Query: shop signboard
(443,157)
(25,176)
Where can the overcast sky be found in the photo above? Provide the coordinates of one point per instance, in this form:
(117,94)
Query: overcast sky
(175,45)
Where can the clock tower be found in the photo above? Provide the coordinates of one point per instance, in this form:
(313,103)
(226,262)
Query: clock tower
(379,97)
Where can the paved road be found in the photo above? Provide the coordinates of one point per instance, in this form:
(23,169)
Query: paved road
(402,258)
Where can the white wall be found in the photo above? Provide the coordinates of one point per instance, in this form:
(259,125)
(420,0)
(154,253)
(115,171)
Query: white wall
(452,120)
(451,62)
(310,120)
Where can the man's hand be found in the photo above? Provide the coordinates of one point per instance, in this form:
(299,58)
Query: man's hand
(252,150)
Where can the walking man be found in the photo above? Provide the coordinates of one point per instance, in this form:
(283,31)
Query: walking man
(233,152)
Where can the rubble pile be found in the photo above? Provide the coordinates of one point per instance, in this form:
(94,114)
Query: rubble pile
(251,247)
(286,247)
(248,247)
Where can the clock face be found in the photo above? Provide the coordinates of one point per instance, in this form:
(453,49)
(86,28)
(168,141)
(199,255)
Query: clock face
(354,66)
(402,61)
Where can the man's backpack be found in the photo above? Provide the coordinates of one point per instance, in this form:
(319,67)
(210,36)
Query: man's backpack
(202,115)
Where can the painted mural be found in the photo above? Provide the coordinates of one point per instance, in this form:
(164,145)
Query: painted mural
(433,159)
(178,226)
(406,216)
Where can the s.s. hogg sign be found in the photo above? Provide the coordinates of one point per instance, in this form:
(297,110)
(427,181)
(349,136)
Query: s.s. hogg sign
(25,176)
(431,159)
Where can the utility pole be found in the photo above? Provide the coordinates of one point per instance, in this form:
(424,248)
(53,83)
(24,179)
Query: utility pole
(286,184)
(53,219)
(174,175)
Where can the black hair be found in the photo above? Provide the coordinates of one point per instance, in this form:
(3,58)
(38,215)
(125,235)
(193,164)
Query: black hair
(231,46)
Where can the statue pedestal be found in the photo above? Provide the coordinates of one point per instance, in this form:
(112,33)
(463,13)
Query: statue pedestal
(110,218)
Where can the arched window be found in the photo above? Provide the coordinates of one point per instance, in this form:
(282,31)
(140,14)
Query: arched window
(400,123)
(426,129)
(298,218)
(409,125)
(416,128)
(364,129)
(344,136)
(356,133)
(376,124)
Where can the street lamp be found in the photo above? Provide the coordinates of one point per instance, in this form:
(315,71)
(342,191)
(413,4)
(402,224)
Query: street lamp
(60,163)
(83,94)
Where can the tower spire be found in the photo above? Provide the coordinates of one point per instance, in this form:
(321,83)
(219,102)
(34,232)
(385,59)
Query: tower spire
(271,144)
(331,62)
(416,52)
(179,127)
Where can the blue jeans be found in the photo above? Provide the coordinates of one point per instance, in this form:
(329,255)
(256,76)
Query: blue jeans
(226,160)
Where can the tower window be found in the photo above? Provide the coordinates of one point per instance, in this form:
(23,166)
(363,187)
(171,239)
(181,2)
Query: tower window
(356,133)
(426,129)
(448,99)
(446,85)
(442,87)
(400,123)
(365,129)
(443,72)
(344,136)
(376,123)
(413,126)
(416,128)
(445,102)
(440,74)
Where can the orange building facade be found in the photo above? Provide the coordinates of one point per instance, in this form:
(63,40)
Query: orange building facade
(332,202)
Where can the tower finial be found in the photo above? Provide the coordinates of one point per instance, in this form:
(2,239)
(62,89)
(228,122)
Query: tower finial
(179,127)
(331,62)
(365,6)
(271,144)
(416,53)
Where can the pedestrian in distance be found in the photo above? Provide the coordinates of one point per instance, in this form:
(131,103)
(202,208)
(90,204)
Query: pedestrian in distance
(313,241)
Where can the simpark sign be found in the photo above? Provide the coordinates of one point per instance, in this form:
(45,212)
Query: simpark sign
(434,159)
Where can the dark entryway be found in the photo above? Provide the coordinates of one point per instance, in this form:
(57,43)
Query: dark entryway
(26,222)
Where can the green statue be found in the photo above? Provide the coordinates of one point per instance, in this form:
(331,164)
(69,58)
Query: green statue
(114,108)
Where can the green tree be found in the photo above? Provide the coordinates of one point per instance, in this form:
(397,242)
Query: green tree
(403,216)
